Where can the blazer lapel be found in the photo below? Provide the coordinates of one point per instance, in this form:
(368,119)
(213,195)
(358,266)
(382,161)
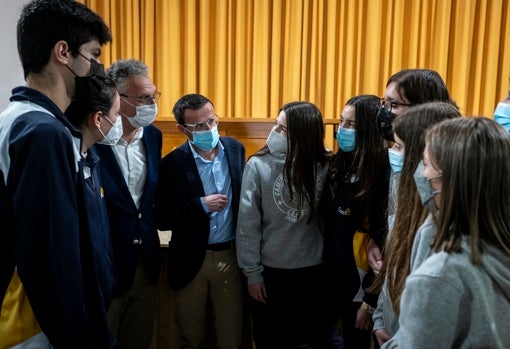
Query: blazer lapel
(233,160)
(191,170)
(109,162)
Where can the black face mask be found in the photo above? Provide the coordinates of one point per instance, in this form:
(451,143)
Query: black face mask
(384,120)
(96,68)
(86,87)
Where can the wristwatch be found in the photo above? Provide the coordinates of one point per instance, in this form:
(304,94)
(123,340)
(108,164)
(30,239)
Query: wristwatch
(370,309)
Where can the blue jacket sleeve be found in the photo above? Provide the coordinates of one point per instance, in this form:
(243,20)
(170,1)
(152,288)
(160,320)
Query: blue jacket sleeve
(45,228)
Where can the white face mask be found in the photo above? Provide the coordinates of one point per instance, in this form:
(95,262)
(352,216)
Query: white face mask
(112,136)
(276,143)
(144,116)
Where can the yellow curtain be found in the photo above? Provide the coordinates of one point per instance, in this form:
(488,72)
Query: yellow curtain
(252,56)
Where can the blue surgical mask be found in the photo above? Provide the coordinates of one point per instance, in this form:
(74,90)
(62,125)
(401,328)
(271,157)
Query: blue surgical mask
(346,138)
(276,142)
(502,115)
(112,136)
(206,140)
(396,160)
(425,189)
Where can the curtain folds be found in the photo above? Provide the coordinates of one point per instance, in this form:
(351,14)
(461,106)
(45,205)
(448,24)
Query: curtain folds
(252,56)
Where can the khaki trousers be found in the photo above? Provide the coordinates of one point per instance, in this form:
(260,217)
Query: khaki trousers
(218,282)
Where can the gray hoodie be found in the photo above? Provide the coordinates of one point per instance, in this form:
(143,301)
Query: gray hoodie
(423,242)
(271,231)
(384,316)
(450,303)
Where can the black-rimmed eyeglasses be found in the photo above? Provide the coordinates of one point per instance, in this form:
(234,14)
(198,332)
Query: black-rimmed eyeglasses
(389,105)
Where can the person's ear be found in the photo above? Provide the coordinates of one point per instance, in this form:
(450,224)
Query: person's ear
(182,130)
(61,52)
(96,118)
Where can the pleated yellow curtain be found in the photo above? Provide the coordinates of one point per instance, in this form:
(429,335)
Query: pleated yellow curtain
(252,56)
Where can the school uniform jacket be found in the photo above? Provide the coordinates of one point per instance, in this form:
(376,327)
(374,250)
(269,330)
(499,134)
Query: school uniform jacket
(178,207)
(46,251)
(133,229)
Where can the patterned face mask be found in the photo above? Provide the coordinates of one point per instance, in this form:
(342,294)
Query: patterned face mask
(114,134)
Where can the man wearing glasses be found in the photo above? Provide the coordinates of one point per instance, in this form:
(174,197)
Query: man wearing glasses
(130,173)
(198,199)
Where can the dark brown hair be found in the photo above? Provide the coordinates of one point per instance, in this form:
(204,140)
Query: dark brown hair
(306,151)
(410,127)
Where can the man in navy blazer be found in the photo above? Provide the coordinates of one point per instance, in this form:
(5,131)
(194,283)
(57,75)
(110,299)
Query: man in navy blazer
(198,199)
(130,174)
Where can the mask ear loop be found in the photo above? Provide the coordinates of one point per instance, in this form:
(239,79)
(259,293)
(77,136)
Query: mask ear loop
(72,71)
(101,132)
(435,177)
(96,68)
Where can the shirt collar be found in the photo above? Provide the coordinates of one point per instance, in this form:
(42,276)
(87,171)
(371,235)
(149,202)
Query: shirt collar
(138,135)
(196,155)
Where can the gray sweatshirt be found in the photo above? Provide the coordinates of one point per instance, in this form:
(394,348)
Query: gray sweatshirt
(450,303)
(271,231)
(423,242)
(384,316)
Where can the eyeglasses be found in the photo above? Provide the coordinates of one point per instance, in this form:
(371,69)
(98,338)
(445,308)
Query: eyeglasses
(389,105)
(280,126)
(205,125)
(148,99)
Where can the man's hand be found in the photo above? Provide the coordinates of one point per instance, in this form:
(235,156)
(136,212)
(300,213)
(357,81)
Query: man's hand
(216,202)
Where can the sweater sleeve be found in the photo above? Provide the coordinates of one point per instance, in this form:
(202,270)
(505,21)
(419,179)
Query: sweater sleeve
(377,317)
(384,316)
(249,225)
(422,243)
(430,308)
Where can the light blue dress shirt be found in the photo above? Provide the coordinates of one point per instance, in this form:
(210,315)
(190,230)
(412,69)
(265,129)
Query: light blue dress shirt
(215,179)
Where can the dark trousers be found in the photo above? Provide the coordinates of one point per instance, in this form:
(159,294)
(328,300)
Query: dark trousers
(354,338)
(292,314)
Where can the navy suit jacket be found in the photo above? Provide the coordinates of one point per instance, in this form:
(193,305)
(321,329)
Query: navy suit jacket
(178,208)
(133,229)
